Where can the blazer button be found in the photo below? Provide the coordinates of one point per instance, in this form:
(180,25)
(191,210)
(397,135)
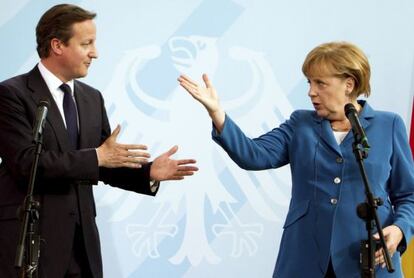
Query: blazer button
(334,201)
(339,160)
(337,180)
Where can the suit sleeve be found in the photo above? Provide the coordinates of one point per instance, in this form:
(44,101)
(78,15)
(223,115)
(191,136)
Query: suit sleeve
(402,182)
(270,150)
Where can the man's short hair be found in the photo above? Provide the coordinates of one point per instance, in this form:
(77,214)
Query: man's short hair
(57,23)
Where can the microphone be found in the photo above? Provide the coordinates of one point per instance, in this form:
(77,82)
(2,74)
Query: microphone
(359,133)
(41,114)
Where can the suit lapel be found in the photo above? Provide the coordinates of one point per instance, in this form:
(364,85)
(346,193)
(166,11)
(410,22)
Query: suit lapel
(41,92)
(326,134)
(85,110)
(328,137)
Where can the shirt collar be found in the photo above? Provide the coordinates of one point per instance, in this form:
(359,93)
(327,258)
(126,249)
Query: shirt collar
(52,81)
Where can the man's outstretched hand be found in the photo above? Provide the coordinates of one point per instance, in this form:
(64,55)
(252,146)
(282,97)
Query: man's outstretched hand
(164,168)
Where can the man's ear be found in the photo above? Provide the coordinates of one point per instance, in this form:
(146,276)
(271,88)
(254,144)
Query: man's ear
(56,46)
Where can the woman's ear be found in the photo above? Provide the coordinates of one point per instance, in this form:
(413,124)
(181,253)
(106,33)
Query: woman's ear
(350,85)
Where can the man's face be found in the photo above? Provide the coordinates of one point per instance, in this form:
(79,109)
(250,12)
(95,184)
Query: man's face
(77,55)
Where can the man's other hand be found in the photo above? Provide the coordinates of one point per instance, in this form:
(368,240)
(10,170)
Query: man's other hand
(114,155)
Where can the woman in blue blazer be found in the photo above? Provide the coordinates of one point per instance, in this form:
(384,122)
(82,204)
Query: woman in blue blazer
(322,232)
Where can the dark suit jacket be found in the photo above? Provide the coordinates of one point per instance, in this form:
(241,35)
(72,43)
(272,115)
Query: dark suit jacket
(64,176)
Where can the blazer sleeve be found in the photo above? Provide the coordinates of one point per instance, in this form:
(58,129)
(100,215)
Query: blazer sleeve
(402,182)
(270,150)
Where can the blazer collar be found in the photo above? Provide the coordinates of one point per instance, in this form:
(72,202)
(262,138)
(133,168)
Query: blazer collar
(366,114)
(327,135)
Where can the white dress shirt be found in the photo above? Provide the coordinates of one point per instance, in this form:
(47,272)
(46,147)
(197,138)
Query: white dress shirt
(53,83)
(340,136)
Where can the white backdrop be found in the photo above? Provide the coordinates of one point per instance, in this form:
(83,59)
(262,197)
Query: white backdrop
(222,222)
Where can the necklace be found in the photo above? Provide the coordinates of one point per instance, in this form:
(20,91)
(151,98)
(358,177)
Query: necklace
(340,129)
(343,127)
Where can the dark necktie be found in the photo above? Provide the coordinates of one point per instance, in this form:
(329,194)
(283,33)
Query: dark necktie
(70,112)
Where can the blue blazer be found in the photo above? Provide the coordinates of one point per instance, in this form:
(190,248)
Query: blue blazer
(327,187)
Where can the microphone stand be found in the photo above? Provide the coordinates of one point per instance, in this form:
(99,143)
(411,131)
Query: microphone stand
(28,247)
(368,212)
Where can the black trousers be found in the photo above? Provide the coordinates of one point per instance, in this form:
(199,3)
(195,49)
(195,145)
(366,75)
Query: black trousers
(79,264)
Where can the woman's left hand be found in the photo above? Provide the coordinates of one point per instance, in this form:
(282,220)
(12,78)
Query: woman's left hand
(393,236)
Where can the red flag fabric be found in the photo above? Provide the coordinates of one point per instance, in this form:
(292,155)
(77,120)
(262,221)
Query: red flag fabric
(408,257)
(412,130)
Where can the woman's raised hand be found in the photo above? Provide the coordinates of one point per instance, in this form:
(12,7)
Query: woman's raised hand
(207,96)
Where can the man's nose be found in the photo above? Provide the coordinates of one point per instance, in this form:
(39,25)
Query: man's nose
(94,53)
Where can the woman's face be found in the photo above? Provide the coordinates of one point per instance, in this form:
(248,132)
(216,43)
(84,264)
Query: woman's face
(329,94)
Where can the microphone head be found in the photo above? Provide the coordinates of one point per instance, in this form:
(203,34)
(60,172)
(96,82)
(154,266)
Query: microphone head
(350,108)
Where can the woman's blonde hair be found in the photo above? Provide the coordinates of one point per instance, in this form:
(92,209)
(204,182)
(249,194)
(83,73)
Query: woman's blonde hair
(340,59)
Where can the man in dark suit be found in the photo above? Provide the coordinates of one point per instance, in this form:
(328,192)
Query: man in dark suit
(78,150)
